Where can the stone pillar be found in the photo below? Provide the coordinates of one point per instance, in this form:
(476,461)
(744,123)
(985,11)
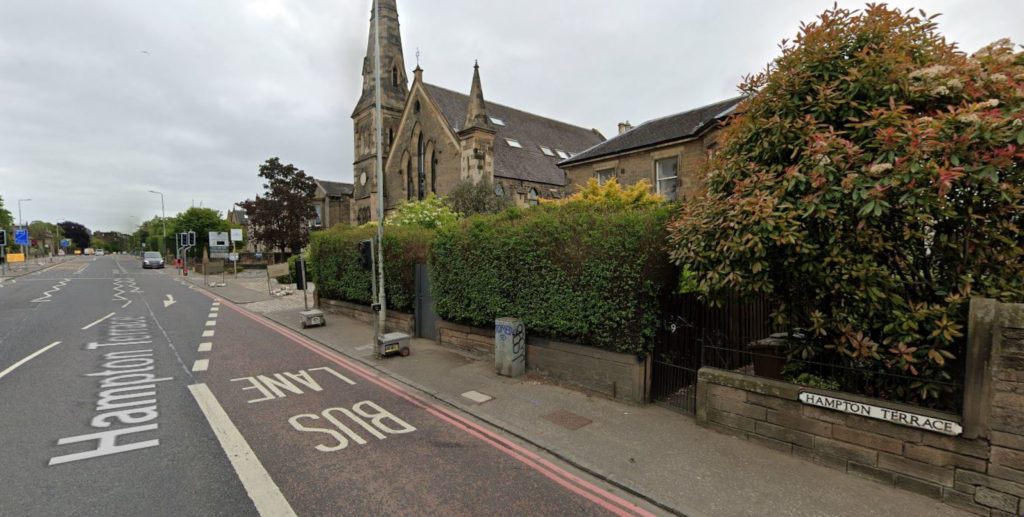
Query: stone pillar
(509,347)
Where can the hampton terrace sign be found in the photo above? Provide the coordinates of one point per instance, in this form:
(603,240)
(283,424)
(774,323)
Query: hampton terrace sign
(895,416)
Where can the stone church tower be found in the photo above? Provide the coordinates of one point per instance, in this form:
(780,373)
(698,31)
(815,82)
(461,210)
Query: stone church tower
(394,90)
(477,138)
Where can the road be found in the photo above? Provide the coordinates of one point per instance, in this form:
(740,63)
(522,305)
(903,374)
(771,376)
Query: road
(126,391)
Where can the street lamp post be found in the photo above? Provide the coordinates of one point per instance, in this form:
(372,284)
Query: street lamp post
(163,219)
(21,222)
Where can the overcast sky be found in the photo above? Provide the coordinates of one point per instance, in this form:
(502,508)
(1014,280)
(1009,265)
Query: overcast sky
(104,100)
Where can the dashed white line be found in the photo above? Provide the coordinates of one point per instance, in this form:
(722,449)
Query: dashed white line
(257,482)
(28,358)
(211,323)
(200,365)
(211,315)
(214,309)
(207,333)
(97,322)
(205,347)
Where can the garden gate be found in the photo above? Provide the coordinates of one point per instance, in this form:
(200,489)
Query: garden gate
(689,324)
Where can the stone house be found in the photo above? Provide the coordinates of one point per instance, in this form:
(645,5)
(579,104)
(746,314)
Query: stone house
(333,204)
(668,152)
(435,138)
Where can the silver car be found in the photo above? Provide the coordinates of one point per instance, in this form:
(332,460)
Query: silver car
(152,260)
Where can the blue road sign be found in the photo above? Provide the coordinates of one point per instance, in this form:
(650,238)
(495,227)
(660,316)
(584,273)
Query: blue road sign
(21,237)
(64,243)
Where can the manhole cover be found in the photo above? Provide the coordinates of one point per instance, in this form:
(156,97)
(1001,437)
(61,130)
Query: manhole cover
(566,419)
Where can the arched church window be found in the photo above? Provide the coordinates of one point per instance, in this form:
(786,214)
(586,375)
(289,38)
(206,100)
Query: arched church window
(416,107)
(421,172)
(433,171)
(408,179)
(394,76)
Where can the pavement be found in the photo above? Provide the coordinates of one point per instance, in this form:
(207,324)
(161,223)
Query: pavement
(650,452)
(127,392)
(20,269)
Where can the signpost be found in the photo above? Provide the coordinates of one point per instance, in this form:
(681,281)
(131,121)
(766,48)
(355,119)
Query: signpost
(236,236)
(3,252)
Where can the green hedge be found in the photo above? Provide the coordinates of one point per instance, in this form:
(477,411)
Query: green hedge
(335,263)
(576,271)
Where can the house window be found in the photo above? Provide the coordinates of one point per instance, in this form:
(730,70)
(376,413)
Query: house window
(604,176)
(667,171)
(499,190)
(318,219)
(561,153)
(531,197)
(546,151)
(512,142)
(497,121)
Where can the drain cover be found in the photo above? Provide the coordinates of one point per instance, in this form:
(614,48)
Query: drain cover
(566,419)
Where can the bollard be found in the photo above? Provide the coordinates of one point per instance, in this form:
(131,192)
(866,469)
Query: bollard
(509,347)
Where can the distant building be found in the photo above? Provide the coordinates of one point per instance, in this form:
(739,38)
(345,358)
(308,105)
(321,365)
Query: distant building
(435,138)
(668,152)
(240,218)
(332,203)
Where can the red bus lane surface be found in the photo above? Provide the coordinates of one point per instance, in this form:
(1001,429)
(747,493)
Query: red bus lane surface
(337,438)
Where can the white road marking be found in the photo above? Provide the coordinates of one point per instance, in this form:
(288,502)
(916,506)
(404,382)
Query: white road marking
(129,302)
(200,365)
(257,482)
(211,323)
(205,347)
(169,301)
(211,315)
(97,322)
(477,397)
(207,333)
(28,358)
(214,309)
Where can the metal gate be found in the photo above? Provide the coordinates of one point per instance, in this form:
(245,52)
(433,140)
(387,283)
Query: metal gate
(688,326)
(426,318)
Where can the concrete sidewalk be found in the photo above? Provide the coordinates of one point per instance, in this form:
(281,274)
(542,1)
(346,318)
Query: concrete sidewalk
(651,451)
(28,267)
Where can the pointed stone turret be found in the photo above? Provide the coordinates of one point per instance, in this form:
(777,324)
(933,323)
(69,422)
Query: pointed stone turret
(476,115)
(477,138)
(394,82)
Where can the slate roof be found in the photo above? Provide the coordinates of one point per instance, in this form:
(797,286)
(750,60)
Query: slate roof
(532,131)
(660,130)
(336,188)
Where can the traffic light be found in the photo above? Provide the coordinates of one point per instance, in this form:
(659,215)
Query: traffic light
(3,237)
(366,254)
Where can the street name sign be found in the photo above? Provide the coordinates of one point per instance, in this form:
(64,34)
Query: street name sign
(894,416)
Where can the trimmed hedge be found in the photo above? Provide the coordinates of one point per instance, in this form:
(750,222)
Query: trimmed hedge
(578,271)
(335,266)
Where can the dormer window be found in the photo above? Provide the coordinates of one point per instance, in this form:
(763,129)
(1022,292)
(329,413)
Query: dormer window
(496,121)
(512,142)
(561,153)
(546,151)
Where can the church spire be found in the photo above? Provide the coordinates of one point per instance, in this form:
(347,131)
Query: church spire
(476,115)
(394,81)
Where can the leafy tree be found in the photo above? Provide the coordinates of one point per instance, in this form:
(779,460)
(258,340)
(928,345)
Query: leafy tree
(202,221)
(870,185)
(430,213)
(468,198)
(6,219)
(76,233)
(279,219)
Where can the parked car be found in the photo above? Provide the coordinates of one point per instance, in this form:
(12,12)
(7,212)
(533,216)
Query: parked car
(100,253)
(152,260)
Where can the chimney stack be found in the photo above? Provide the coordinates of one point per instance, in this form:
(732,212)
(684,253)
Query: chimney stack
(624,126)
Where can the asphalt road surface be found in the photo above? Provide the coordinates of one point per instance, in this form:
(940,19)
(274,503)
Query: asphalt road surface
(126,392)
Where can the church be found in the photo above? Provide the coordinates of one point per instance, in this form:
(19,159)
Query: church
(434,138)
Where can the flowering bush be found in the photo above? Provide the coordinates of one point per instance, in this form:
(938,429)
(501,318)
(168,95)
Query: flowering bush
(872,183)
(430,213)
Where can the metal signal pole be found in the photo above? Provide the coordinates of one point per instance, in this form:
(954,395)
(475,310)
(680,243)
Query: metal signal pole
(381,299)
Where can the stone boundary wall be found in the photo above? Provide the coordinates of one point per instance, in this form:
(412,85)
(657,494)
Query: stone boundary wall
(981,471)
(617,376)
(396,321)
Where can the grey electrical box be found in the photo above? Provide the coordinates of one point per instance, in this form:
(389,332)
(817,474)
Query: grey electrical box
(312,318)
(509,347)
(393,343)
